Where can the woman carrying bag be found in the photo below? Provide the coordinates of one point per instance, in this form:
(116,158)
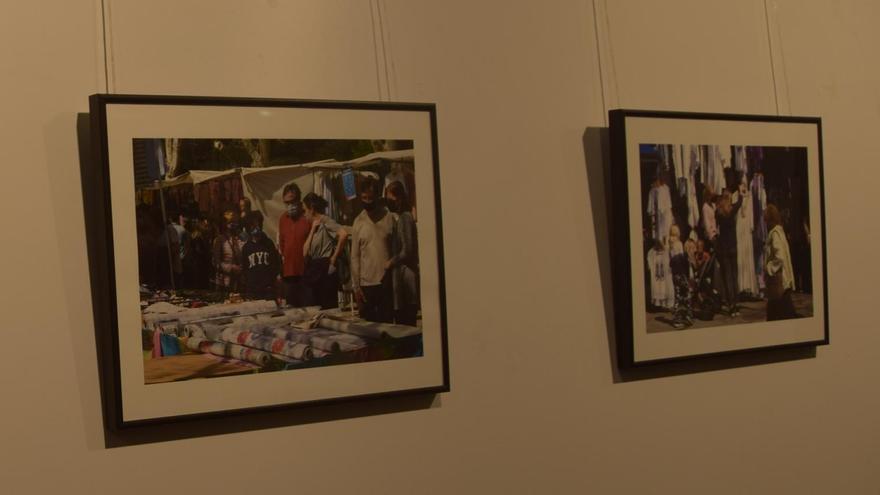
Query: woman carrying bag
(322,248)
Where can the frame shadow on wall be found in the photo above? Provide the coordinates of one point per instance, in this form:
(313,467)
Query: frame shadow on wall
(597,155)
(235,422)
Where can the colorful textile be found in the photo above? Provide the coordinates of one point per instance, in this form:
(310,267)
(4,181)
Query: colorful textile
(170,345)
(323,339)
(157,343)
(292,349)
(660,211)
(229,350)
(165,312)
(369,329)
(747,280)
(662,285)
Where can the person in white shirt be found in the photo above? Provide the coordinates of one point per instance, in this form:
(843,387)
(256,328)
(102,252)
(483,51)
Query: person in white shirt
(370,253)
(778,271)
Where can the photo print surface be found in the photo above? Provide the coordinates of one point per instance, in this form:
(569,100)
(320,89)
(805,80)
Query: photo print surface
(719,234)
(263,255)
(726,235)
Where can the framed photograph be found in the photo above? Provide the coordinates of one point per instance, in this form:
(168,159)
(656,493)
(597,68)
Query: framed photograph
(718,234)
(250,253)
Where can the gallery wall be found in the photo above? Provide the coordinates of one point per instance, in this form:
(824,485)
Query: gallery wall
(522,90)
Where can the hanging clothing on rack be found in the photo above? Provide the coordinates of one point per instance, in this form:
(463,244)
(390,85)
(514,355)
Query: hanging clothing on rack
(660,211)
(754,157)
(327,194)
(741,160)
(678,161)
(662,286)
(662,164)
(759,199)
(745,255)
(725,155)
(693,206)
(715,169)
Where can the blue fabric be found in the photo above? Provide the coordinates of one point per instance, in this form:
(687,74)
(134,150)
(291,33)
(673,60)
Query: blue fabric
(170,345)
(348,185)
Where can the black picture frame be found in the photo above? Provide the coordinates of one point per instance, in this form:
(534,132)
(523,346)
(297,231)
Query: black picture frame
(633,135)
(109,113)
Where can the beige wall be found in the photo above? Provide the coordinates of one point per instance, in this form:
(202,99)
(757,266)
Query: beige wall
(535,407)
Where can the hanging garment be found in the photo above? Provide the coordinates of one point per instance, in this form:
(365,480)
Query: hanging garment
(157,343)
(759,199)
(715,170)
(678,162)
(754,157)
(695,160)
(660,211)
(663,151)
(725,155)
(678,167)
(317,183)
(327,194)
(662,288)
(693,206)
(742,163)
(747,280)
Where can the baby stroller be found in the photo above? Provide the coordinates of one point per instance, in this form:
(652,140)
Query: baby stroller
(706,300)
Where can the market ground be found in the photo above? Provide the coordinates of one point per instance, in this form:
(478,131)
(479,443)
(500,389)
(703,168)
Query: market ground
(750,312)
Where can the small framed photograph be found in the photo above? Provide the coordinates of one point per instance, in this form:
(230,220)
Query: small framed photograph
(718,234)
(262,253)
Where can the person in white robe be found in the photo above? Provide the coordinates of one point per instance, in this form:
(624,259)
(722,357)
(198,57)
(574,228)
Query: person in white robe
(747,281)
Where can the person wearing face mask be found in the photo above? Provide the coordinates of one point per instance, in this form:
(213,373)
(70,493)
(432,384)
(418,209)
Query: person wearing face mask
(226,256)
(321,249)
(404,261)
(293,230)
(260,260)
(244,209)
(370,253)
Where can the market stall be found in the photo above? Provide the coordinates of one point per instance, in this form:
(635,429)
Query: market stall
(258,336)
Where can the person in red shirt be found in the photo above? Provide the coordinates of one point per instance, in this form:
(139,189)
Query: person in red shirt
(293,230)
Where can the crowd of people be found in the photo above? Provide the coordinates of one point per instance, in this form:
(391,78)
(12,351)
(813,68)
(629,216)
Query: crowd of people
(313,259)
(736,248)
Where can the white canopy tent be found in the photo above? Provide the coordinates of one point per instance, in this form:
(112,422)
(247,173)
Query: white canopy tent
(192,177)
(263,186)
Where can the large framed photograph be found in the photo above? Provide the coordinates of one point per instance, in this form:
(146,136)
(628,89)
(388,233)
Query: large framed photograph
(718,234)
(261,253)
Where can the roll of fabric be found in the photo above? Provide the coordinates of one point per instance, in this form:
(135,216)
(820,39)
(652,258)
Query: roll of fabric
(369,329)
(194,330)
(337,325)
(283,333)
(161,312)
(318,338)
(292,349)
(296,315)
(248,354)
(229,350)
(332,341)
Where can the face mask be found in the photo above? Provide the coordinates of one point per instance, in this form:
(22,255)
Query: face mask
(369,206)
(255,232)
(294,210)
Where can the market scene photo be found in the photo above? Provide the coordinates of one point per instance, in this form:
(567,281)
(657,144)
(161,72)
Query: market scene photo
(726,233)
(259,255)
